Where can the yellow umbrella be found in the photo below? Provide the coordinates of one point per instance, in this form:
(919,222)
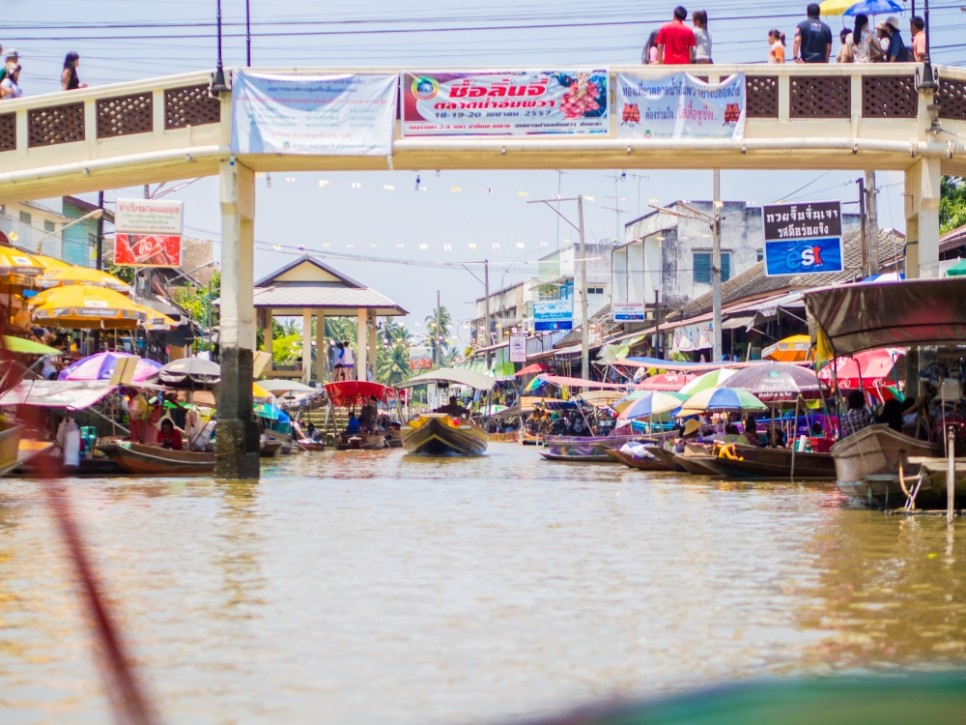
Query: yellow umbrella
(260,393)
(157,321)
(835,7)
(49,264)
(73,274)
(17,268)
(82,306)
(791,349)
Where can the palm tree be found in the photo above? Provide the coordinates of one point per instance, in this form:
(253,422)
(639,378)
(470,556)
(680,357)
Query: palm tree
(392,363)
(437,330)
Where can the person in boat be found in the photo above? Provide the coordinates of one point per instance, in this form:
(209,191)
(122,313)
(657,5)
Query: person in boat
(169,436)
(891,414)
(353,427)
(310,431)
(688,434)
(578,426)
(856,417)
(453,408)
(751,432)
(368,415)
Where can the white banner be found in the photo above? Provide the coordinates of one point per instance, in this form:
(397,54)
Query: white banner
(346,115)
(680,106)
(148,216)
(518,347)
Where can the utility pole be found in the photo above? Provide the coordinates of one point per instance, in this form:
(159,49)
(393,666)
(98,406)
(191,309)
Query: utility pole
(584,322)
(863,227)
(716,266)
(872,221)
(437,357)
(486,310)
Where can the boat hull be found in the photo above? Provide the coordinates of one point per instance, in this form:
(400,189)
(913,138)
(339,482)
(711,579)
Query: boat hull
(875,451)
(9,448)
(586,449)
(152,460)
(885,490)
(641,464)
(437,434)
(665,456)
(773,464)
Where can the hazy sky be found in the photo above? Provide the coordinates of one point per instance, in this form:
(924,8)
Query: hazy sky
(460,216)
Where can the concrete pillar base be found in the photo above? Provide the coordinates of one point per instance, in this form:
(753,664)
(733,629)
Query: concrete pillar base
(237,439)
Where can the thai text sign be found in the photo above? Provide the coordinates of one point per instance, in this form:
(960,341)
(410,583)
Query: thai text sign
(628,311)
(504,103)
(518,347)
(344,115)
(680,106)
(148,233)
(803,238)
(553,315)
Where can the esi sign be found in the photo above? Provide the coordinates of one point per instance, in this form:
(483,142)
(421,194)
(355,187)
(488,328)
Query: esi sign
(803,238)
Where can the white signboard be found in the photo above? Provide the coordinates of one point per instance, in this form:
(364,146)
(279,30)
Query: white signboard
(518,347)
(148,216)
(628,311)
(338,115)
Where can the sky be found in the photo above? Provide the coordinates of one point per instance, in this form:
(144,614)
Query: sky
(355,221)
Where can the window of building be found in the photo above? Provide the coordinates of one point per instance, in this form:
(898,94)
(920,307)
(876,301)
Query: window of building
(595,290)
(759,255)
(25,217)
(702,267)
(49,226)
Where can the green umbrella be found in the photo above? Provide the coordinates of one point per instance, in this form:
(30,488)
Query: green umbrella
(27,347)
(720,400)
(707,381)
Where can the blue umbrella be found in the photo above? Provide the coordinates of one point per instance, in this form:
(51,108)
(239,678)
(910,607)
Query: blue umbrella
(874,7)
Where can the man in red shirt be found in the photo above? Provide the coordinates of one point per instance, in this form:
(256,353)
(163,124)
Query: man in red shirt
(675,41)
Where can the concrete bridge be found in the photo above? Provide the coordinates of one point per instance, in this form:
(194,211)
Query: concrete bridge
(847,117)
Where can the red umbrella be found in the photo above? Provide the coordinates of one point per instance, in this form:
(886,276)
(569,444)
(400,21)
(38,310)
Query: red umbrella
(671,382)
(530,370)
(868,370)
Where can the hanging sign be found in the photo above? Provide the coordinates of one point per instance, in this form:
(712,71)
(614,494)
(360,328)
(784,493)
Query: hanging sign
(518,347)
(628,311)
(680,106)
(504,103)
(803,238)
(148,232)
(338,115)
(553,315)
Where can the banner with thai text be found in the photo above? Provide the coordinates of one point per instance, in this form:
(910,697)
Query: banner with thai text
(148,232)
(504,103)
(337,115)
(553,315)
(803,238)
(680,106)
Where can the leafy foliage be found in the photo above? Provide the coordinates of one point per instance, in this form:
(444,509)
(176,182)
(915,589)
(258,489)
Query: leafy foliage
(952,203)
(438,326)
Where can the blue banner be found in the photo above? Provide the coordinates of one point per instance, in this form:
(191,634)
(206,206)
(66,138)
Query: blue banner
(803,256)
(553,315)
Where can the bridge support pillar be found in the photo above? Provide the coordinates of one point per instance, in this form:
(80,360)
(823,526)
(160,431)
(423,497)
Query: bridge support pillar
(362,335)
(236,447)
(922,218)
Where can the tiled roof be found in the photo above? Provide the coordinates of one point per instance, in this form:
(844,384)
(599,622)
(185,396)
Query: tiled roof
(324,298)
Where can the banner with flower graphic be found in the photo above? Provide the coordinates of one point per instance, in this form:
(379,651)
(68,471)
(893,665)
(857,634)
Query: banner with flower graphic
(504,103)
(680,106)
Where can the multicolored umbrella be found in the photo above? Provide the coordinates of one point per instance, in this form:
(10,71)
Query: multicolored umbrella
(713,379)
(777,382)
(101,367)
(653,402)
(666,381)
(719,400)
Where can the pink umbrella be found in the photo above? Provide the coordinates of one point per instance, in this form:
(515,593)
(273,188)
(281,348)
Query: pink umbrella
(101,367)
(671,382)
(869,370)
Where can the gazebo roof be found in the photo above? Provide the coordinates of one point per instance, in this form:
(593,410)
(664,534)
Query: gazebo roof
(309,284)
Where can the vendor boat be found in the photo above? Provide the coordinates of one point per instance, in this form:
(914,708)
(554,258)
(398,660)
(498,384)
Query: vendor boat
(9,447)
(438,434)
(583,449)
(153,460)
(665,456)
(774,464)
(693,457)
(876,451)
(640,463)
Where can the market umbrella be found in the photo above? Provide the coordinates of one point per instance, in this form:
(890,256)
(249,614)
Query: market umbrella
(868,370)
(777,382)
(74,274)
(276,387)
(101,367)
(654,402)
(957,270)
(83,306)
(530,370)
(873,7)
(48,263)
(190,372)
(712,379)
(27,347)
(17,269)
(666,381)
(721,400)
(271,412)
(790,349)
(835,7)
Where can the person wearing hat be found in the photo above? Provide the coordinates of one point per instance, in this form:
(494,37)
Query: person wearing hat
(11,61)
(897,52)
(688,433)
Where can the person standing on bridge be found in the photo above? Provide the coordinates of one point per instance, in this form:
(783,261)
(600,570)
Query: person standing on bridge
(702,38)
(675,41)
(68,77)
(917,26)
(9,86)
(813,38)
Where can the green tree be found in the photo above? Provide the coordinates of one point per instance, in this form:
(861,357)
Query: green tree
(952,203)
(438,326)
(392,363)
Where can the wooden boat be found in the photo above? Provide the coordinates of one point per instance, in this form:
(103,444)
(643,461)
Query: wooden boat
(439,434)
(583,449)
(641,464)
(154,460)
(509,437)
(529,439)
(665,456)
(773,464)
(9,447)
(361,442)
(286,442)
(270,449)
(874,451)
(307,444)
(691,459)
(928,485)
(41,459)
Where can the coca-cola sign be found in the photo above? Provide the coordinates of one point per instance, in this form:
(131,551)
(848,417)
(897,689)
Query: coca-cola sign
(147,250)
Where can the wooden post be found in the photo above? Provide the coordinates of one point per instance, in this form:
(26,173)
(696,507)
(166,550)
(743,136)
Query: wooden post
(950,476)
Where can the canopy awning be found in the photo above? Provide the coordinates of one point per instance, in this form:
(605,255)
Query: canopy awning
(69,394)
(900,314)
(452,376)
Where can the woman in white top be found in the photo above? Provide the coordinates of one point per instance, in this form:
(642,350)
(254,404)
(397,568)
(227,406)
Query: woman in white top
(861,40)
(9,87)
(702,38)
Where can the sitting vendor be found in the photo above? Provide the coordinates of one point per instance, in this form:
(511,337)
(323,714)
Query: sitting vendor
(169,436)
(353,427)
(454,408)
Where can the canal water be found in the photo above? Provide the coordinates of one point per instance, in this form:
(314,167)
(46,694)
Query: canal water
(358,587)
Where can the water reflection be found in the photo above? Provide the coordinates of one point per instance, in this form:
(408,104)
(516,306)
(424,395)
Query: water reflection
(373,586)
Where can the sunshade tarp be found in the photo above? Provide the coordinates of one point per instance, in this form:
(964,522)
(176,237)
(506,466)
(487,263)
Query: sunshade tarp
(454,377)
(900,314)
(69,394)
(581,383)
(357,392)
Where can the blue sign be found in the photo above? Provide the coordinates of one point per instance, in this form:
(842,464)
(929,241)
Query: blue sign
(803,256)
(553,315)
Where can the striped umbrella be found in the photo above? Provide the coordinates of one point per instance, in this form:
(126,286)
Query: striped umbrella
(719,400)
